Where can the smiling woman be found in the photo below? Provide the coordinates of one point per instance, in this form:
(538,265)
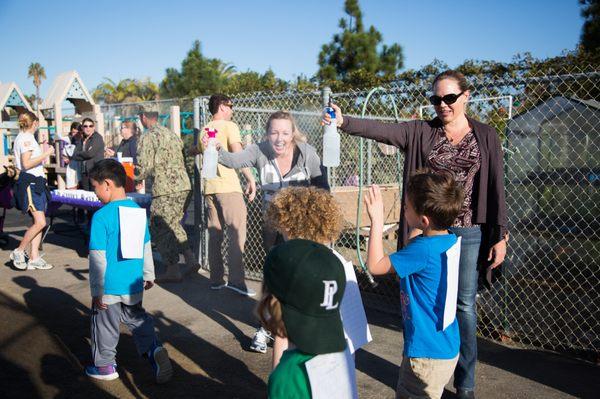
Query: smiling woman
(283,159)
(470,150)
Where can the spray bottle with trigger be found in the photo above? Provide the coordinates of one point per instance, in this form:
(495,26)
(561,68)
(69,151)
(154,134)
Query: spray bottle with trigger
(331,140)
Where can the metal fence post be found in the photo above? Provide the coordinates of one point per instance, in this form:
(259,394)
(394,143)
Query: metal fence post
(199,224)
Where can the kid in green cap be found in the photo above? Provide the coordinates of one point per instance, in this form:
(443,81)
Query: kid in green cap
(304,287)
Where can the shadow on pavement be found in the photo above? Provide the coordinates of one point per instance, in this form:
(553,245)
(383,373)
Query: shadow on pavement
(219,305)
(34,362)
(567,375)
(67,321)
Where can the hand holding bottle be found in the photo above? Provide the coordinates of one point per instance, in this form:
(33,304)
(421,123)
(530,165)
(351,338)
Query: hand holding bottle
(327,117)
(331,137)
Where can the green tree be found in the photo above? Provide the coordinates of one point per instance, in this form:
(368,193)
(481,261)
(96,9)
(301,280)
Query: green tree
(590,32)
(304,83)
(244,82)
(356,56)
(126,90)
(37,72)
(198,76)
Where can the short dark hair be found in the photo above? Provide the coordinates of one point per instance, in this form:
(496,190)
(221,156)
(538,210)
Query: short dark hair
(435,195)
(150,115)
(215,101)
(88,120)
(109,169)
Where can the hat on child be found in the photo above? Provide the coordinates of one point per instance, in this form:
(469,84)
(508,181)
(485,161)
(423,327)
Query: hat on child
(309,281)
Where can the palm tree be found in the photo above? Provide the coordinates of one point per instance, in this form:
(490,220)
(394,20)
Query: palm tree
(225,70)
(126,90)
(37,72)
(105,91)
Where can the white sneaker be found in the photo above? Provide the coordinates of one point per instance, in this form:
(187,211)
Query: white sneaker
(18,258)
(39,263)
(260,340)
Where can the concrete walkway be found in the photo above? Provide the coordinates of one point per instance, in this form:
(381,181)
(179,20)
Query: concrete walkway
(44,341)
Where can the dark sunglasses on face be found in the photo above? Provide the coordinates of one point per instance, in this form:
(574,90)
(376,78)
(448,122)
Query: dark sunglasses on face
(447,99)
(88,125)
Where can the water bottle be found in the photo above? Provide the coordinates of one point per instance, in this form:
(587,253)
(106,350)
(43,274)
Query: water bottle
(331,141)
(210,156)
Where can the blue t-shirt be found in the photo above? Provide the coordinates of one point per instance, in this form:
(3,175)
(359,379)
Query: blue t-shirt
(122,276)
(422,267)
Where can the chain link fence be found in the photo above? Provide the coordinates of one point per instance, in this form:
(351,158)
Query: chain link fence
(550,129)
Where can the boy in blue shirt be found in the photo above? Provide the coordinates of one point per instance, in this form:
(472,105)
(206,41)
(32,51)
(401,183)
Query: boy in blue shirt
(118,277)
(433,201)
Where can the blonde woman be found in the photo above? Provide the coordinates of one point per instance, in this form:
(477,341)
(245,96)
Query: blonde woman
(284,159)
(31,192)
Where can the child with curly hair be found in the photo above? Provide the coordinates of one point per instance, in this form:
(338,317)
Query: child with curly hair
(313,214)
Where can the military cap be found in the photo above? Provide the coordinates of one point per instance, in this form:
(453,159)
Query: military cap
(147,108)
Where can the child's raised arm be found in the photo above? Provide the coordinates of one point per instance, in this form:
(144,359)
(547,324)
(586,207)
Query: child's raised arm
(377,261)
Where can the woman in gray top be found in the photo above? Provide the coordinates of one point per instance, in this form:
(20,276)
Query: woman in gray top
(284,159)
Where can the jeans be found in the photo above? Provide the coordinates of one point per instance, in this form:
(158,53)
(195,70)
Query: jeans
(466,312)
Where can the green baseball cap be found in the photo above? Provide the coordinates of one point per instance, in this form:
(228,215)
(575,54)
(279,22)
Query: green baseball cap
(309,281)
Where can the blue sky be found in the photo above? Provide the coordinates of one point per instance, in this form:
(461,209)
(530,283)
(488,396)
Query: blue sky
(137,39)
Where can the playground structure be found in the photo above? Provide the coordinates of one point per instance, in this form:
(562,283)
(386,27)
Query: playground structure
(56,115)
(69,87)
(12,102)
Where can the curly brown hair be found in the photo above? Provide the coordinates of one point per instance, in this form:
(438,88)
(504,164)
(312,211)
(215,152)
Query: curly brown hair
(306,212)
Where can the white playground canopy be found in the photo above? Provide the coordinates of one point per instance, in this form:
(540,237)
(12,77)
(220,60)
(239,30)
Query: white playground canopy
(69,86)
(12,97)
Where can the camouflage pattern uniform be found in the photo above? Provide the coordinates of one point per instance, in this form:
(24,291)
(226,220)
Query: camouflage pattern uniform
(160,155)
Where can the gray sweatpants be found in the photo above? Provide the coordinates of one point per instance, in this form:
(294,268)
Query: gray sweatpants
(105,331)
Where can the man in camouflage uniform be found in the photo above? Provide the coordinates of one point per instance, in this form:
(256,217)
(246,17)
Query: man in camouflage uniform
(160,156)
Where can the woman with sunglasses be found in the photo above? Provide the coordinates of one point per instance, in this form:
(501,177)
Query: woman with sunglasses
(89,151)
(471,151)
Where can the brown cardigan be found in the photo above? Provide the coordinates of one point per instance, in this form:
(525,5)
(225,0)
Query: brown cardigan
(416,139)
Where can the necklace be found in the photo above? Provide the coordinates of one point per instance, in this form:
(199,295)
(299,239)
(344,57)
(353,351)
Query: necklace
(455,139)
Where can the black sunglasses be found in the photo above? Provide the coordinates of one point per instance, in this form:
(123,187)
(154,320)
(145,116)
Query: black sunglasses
(88,125)
(447,99)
